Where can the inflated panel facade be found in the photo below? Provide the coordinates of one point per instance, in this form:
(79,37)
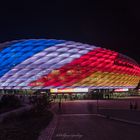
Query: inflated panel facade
(49,63)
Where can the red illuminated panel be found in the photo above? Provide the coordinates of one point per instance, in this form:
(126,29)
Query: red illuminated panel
(100,59)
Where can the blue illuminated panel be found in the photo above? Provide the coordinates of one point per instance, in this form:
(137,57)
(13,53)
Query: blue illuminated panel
(18,52)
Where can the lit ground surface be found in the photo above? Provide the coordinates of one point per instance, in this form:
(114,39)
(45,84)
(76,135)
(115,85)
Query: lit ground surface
(121,103)
(78,120)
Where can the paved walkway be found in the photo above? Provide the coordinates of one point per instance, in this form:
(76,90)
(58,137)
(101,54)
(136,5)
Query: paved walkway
(79,120)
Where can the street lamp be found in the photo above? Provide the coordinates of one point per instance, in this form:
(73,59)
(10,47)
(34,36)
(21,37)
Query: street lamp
(97,99)
(97,102)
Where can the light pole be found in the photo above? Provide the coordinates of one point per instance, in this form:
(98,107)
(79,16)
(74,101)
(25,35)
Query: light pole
(97,103)
(96,92)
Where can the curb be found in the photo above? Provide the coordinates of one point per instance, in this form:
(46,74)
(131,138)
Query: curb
(48,132)
(125,121)
(119,119)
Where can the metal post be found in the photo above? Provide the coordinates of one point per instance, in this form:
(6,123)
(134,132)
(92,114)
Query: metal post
(97,102)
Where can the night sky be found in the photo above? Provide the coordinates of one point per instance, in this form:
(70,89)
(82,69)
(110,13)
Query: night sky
(108,24)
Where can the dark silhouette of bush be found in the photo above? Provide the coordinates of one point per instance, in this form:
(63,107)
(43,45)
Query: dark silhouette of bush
(41,103)
(10,101)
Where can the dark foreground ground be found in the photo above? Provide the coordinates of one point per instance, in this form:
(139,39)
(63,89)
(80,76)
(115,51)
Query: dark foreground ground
(25,127)
(90,127)
(79,120)
(76,120)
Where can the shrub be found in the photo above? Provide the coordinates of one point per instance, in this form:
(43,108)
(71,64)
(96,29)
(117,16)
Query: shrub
(9,101)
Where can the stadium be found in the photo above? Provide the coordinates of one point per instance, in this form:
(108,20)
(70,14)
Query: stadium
(65,66)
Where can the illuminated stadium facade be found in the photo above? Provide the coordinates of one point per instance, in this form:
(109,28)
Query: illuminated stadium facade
(48,63)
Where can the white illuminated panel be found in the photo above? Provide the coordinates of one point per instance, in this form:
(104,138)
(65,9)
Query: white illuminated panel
(65,90)
(121,89)
(49,58)
(30,64)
